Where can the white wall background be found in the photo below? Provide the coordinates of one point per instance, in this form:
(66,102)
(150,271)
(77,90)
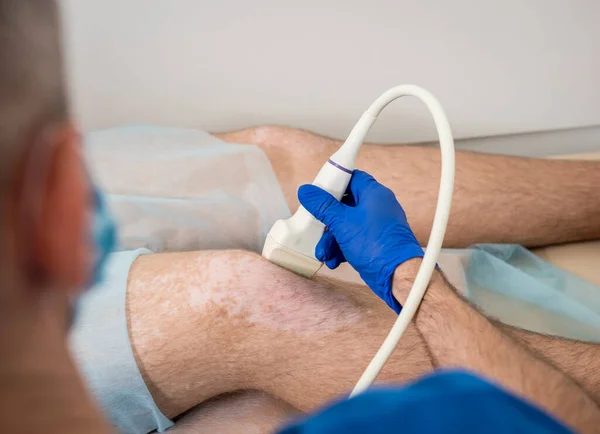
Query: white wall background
(498,67)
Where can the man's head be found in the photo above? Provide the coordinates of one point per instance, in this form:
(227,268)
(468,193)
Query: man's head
(44,190)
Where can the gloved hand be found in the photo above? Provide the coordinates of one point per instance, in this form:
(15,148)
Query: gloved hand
(368,229)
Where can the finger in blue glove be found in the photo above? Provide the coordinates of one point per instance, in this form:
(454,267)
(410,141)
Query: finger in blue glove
(328,251)
(373,234)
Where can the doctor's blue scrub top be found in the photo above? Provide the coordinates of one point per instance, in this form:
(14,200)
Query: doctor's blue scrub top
(448,402)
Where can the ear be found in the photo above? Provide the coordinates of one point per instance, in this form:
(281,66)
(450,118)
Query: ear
(63,232)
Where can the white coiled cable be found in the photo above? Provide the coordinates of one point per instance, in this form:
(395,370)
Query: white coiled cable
(438,229)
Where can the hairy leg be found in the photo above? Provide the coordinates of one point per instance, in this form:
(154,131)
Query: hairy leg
(263,413)
(579,360)
(528,201)
(207,323)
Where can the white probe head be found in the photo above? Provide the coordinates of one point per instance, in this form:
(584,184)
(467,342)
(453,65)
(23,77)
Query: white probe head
(291,243)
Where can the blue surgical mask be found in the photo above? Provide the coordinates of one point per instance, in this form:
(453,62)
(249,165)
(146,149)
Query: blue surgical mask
(104,234)
(103,237)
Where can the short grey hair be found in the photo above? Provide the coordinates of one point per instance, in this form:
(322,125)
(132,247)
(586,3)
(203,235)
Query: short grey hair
(32,90)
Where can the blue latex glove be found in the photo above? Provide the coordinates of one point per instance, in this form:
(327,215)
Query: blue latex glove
(445,402)
(368,229)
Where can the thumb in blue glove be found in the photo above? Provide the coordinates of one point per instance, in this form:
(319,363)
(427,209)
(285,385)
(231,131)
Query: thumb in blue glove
(368,229)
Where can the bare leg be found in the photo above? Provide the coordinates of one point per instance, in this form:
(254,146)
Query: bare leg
(263,413)
(247,412)
(207,323)
(579,360)
(528,201)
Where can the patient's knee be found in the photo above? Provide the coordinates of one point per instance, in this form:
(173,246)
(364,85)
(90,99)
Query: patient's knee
(239,289)
(273,137)
(265,135)
(251,290)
